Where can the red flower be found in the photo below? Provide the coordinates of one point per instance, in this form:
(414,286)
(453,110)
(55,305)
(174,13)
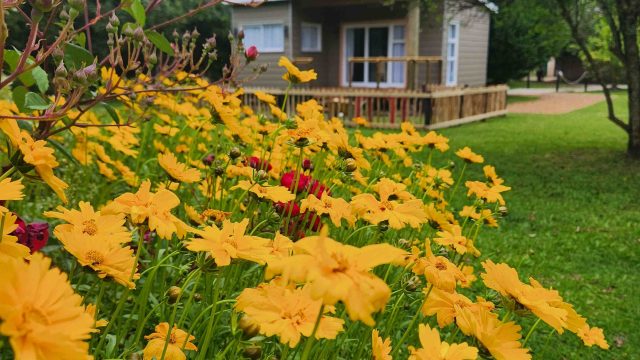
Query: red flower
(316,188)
(311,221)
(259,164)
(251,53)
(288,180)
(307,165)
(34,235)
(283,209)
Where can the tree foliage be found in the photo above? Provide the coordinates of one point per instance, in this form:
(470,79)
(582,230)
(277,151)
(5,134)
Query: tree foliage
(524,35)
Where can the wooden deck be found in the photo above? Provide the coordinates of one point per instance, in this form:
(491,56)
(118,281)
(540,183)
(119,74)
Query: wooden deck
(388,108)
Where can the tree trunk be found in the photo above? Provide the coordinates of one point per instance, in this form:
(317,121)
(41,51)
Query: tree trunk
(629,28)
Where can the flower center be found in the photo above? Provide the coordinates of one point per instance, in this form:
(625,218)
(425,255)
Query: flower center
(94,257)
(440,265)
(34,315)
(386,205)
(90,227)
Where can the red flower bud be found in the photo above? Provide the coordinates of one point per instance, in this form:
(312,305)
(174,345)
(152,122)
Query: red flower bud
(307,165)
(259,164)
(251,53)
(317,189)
(284,208)
(34,235)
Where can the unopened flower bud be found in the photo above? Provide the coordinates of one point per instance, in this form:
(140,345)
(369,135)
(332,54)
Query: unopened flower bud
(77,4)
(138,34)
(61,71)
(110,28)
(135,356)
(173,294)
(383,226)
(219,171)
(209,159)
(235,153)
(503,211)
(128,31)
(307,165)
(253,352)
(248,327)
(251,53)
(113,20)
(153,58)
(44,5)
(262,175)
(240,34)
(197,297)
(350,165)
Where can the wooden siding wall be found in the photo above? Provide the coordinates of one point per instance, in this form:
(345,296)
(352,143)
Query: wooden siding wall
(473,51)
(431,30)
(266,13)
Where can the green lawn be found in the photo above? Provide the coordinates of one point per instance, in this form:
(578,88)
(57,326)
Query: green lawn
(573,218)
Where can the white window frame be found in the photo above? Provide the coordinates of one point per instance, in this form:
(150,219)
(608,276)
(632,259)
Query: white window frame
(344,63)
(261,47)
(318,28)
(452,58)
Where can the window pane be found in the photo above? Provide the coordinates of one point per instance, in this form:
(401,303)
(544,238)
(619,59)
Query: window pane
(309,37)
(274,37)
(253,36)
(355,48)
(398,33)
(397,68)
(452,50)
(378,46)
(451,74)
(453,31)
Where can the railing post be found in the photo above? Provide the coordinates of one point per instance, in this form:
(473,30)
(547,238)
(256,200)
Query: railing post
(427,105)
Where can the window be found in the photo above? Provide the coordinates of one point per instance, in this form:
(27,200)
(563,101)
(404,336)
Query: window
(311,37)
(453,35)
(374,41)
(266,37)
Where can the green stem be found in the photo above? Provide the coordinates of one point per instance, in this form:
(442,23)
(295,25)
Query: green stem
(524,343)
(412,324)
(207,338)
(310,340)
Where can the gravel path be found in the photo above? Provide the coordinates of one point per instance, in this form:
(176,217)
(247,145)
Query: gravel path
(555,103)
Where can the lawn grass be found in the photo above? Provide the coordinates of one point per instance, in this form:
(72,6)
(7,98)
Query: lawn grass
(573,218)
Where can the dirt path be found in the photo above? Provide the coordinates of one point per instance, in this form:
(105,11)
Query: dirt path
(555,103)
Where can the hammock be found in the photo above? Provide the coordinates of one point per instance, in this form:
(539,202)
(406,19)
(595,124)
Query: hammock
(574,82)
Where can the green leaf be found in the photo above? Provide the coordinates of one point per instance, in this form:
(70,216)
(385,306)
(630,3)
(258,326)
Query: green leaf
(11,57)
(26,125)
(137,11)
(41,78)
(81,39)
(76,56)
(18,94)
(34,101)
(112,112)
(63,150)
(159,41)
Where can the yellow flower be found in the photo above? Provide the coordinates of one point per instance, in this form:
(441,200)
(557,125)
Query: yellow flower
(175,343)
(264,97)
(453,237)
(91,310)
(273,193)
(287,312)
(154,207)
(381,349)
(176,169)
(501,339)
(469,156)
(438,270)
(107,258)
(446,305)
(41,315)
(542,302)
(490,173)
(338,272)
(41,157)
(280,247)
(9,246)
(489,193)
(435,349)
(10,190)
(398,215)
(434,140)
(295,75)
(337,208)
(278,113)
(230,242)
(593,336)
(91,224)
(360,121)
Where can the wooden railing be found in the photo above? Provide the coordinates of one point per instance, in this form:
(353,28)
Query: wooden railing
(412,64)
(387,108)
